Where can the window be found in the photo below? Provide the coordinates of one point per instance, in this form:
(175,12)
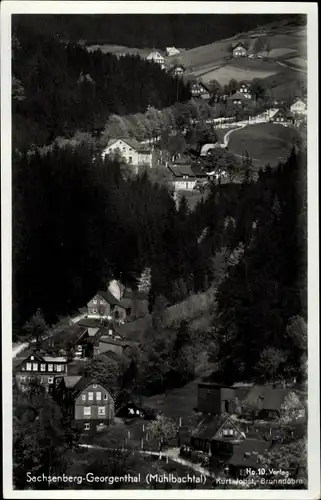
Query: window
(95,386)
(43,367)
(101,410)
(32,358)
(28,366)
(90,396)
(58,368)
(94,311)
(87,426)
(50,368)
(95,301)
(186,185)
(87,410)
(35,367)
(22,378)
(130,159)
(83,397)
(231,432)
(98,396)
(106,397)
(50,380)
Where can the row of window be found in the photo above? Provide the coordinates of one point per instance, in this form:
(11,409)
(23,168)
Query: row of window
(35,367)
(101,411)
(24,378)
(91,396)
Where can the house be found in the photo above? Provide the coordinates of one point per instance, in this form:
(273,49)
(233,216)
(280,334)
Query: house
(239,50)
(247,455)
(240,99)
(172,51)
(215,399)
(178,70)
(299,107)
(156,57)
(185,176)
(43,368)
(90,404)
(199,90)
(245,90)
(217,435)
(105,306)
(111,340)
(66,341)
(282,116)
(266,401)
(134,152)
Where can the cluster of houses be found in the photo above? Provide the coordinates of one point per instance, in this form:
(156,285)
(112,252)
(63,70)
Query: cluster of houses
(240,423)
(57,363)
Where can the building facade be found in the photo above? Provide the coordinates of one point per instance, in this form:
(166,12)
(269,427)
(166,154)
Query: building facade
(157,58)
(42,368)
(132,151)
(299,107)
(90,404)
(105,306)
(239,50)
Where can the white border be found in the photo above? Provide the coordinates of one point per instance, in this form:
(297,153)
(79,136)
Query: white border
(82,7)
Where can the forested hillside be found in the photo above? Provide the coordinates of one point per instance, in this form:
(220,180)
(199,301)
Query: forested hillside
(59,89)
(146,30)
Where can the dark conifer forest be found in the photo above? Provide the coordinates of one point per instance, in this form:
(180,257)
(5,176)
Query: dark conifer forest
(78,222)
(60,88)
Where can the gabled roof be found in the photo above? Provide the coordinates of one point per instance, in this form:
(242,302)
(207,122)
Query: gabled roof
(108,297)
(90,322)
(67,335)
(209,427)
(71,380)
(238,96)
(84,382)
(239,44)
(155,53)
(133,143)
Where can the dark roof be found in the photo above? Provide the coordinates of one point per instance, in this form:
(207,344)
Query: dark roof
(191,171)
(239,44)
(84,382)
(268,398)
(245,454)
(109,297)
(208,427)
(68,335)
(71,380)
(238,95)
(118,358)
(90,322)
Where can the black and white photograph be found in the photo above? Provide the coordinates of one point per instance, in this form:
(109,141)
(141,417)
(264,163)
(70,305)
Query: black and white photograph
(160,250)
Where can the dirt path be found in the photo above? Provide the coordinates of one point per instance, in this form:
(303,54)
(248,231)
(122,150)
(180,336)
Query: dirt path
(169,454)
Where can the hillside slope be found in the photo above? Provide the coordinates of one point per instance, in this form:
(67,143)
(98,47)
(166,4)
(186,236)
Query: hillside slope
(284,40)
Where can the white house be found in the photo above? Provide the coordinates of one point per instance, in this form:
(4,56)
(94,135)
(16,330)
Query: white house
(299,107)
(239,50)
(133,151)
(245,89)
(156,57)
(185,176)
(172,51)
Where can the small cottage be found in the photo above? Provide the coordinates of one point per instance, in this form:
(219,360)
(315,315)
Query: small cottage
(133,152)
(239,50)
(299,107)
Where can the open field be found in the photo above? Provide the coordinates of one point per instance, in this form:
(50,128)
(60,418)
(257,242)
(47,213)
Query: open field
(225,73)
(286,84)
(266,142)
